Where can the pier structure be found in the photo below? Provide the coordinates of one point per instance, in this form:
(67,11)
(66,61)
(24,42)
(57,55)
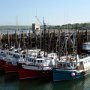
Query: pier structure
(50,41)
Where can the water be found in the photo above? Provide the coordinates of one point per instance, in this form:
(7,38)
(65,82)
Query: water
(10,82)
(13,31)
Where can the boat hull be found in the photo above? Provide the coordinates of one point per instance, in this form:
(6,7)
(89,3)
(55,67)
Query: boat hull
(2,62)
(61,75)
(10,68)
(25,73)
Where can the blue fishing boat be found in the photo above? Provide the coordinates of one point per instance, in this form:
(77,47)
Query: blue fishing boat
(71,67)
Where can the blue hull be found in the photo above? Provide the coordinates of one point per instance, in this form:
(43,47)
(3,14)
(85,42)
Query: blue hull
(60,75)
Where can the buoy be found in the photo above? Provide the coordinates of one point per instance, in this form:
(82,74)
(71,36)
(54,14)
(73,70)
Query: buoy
(73,74)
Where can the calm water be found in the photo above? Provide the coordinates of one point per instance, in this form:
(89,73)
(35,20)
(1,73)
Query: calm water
(8,82)
(13,31)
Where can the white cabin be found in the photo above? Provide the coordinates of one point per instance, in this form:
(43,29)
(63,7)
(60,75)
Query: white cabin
(38,63)
(72,63)
(86,46)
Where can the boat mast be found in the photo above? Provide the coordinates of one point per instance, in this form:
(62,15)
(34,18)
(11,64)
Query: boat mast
(8,40)
(44,45)
(59,43)
(16,40)
(0,40)
(29,39)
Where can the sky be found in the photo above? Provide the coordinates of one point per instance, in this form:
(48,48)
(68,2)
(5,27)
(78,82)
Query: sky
(55,12)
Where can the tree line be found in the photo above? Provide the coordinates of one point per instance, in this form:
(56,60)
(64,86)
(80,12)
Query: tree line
(79,26)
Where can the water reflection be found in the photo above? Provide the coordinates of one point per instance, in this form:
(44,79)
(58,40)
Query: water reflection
(66,85)
(7,83)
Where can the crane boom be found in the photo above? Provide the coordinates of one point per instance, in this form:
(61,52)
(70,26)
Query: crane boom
(38,20)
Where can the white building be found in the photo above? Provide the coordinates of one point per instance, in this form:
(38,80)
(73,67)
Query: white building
(36,28)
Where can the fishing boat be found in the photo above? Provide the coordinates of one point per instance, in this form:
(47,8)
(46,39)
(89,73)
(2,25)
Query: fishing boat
(71,67)
(11,62)
(2,58)
(36,67)
(13,56)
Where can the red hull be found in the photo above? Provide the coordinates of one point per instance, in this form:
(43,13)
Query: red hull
(2,62)
(10,68)
(25,73)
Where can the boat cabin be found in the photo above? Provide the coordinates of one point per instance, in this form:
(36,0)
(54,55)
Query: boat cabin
(86,46)
(66,65)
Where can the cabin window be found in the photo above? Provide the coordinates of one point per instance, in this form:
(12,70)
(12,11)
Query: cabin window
(18,56)
(23,56)
(64,65)
(14,55)
(38,61)
(31,60)
(68,65)
(60,65)
(34,61)
(74,64)
(1,52)
(71,64)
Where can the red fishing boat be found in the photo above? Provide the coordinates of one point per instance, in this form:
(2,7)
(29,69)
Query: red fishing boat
(11,62)
(2,59)
(2,62)
(35,68)
(9,68)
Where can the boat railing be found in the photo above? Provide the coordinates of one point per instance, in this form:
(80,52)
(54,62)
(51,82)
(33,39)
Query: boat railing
(83,56)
